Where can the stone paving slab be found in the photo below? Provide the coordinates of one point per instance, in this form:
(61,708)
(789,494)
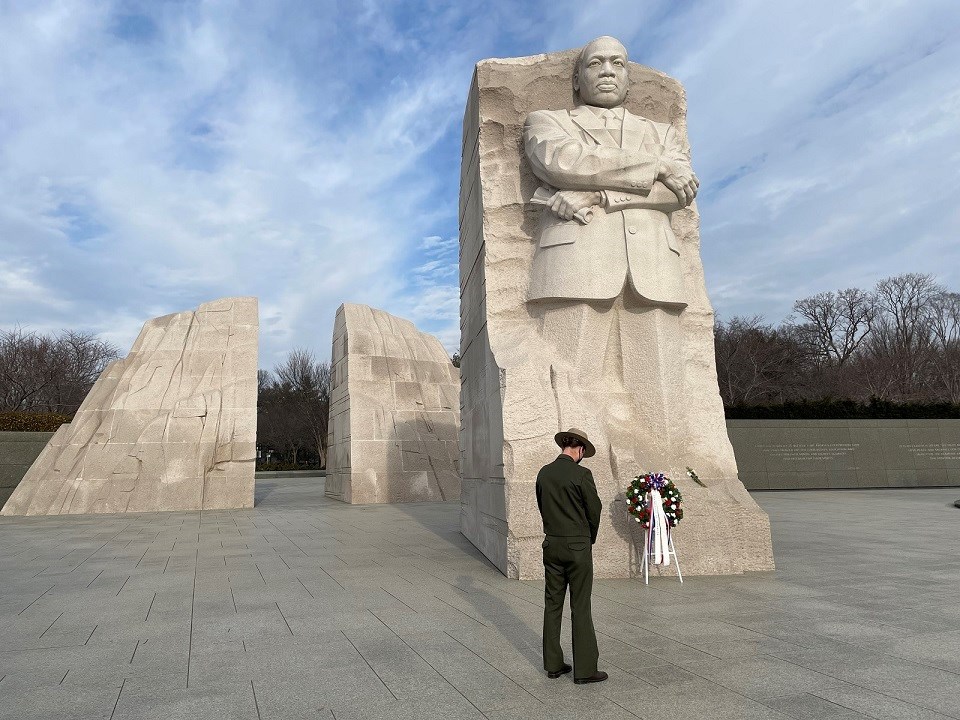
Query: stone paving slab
(308,608)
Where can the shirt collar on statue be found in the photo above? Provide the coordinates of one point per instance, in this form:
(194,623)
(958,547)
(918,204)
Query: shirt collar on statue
(599,111)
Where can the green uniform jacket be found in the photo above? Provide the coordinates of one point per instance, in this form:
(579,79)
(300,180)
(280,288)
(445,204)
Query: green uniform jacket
(568,500)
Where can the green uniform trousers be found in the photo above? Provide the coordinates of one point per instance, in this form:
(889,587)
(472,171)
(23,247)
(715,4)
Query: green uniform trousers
(568,561)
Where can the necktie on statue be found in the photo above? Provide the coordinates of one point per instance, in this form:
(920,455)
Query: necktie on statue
(611,124)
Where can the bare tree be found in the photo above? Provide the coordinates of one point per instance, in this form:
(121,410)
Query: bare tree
(279,427)
(899,347)
(945,326)
(29,365)
(837,323)
(293,406)
(50,373)
(898,343)
(264,380)
(756,362)
(307,381)
(85,356)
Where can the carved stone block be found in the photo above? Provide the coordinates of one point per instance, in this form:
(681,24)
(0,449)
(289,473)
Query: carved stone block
(394,418)
(172,426)
(646,393)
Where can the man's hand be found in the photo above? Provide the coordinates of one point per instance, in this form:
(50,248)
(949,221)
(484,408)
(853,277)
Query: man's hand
(567,203)
(680,180)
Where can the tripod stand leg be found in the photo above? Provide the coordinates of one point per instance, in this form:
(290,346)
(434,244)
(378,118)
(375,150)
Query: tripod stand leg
(676,558)
(646,557)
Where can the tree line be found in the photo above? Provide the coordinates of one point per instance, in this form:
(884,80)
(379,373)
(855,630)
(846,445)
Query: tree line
(894,345)
(50,373)
(44,377)
(293,405)
(898,342)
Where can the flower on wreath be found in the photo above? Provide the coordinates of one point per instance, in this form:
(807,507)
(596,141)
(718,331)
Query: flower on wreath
(638,498)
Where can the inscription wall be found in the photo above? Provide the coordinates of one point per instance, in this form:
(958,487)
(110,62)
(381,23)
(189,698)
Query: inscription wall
(816,454)
(18,450)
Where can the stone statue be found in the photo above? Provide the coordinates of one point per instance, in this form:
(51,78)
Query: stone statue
(583,304)
(609,286)
(636,170)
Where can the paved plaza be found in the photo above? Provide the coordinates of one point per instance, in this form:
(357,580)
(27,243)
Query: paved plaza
(308,608)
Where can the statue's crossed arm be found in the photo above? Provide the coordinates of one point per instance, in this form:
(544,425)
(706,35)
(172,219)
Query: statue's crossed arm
(580,175)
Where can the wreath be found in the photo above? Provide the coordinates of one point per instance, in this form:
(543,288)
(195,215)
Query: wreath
(638,503)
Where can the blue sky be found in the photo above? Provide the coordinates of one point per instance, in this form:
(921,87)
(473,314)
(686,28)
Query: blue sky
(155,155)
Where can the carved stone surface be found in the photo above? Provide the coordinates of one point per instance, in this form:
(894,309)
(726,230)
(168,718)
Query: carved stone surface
(606,326)
(18,450)
(172,426)
(394,416)
(821,454)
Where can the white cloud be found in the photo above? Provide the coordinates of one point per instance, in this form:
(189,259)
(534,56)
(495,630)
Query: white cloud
(157,156)
(434,300)
(149,175)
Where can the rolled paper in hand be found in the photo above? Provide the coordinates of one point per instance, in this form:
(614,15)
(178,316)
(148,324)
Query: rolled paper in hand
(543,196)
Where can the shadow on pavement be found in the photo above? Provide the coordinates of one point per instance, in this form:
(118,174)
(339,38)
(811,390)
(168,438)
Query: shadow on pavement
(500,615)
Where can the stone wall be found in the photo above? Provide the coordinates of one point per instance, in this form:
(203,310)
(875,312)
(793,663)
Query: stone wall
(394,414)
(172,426)
(515,394)
(18,450)
(817,454)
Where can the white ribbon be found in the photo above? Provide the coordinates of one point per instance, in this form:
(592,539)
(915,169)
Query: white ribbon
(659,529)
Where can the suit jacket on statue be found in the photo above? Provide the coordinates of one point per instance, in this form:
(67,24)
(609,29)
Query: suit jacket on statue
(629,237)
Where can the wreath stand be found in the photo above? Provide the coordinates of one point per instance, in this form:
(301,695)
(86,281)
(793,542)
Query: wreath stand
(648,554)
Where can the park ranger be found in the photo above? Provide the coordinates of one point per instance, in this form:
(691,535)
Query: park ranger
(570,508)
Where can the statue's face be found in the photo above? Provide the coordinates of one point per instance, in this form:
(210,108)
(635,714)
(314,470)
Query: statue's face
(601,78)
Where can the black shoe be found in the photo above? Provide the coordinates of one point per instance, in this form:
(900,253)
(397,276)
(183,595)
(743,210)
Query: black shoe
(599,676)
(553,675)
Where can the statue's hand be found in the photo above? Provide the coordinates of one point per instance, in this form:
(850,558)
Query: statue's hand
(680,180)
(567,203)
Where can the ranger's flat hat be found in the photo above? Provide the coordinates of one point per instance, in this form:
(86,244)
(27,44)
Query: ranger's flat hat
(588,449)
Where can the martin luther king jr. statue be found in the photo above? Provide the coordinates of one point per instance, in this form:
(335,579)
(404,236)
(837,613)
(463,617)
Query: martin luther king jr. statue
(627,172)
(583,304)
(607,276)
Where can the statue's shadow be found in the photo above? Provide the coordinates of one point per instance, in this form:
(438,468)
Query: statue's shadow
(502,618)
(628,530)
